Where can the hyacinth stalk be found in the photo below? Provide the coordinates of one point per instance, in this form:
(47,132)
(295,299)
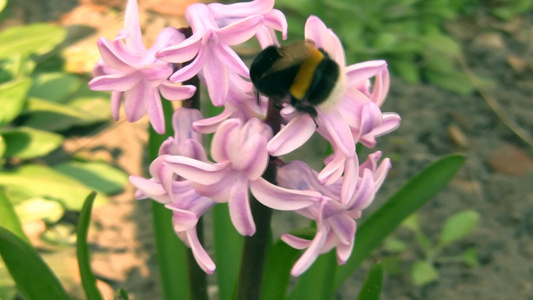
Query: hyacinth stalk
(243,168)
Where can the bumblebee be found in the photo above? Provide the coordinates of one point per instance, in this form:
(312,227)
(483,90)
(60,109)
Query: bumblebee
(300,73)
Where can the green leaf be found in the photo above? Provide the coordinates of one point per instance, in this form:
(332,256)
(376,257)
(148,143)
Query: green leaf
(9,219)
(13,97)
(457,226)
(97,175)
(452,80)
(407,200)
(3,4)
(34,278)
(54,87)
(42,181)
(120,294)
(26,143)
(412,222)
(371,289)
(51,116)
(392,265)
(423,273)
(2,147)
(228,262)
(317,282)
(407,70)
(82,250)
(394,245)
(470,258)
(39,209)
(278,264)
(30,39)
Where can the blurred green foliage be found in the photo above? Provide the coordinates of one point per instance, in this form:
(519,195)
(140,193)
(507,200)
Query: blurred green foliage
(409,34)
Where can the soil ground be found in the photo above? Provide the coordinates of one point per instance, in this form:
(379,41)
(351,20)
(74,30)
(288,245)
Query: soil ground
(496,179)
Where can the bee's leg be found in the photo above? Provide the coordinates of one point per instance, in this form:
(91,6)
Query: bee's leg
(310,110)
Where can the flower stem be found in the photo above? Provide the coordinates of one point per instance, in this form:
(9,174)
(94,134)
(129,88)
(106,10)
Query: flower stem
(255,247)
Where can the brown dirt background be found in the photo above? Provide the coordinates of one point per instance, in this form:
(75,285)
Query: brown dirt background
(496,179)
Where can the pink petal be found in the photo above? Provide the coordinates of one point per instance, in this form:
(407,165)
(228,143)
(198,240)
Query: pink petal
(193,149)
(190,70)
(210,125)
(241,9)
(197,171)
(182,52)
(116,82)
(148,187)
(134,101)
(239,208)
(252,157)
(292,136)
(134,39)
(349,184)
(360,72)
(344,251)
(222,141)
(111,57)
(182,220)
(156,73)
(365,192)
(381,87)
(280,198)
(339,131)
(216,78)
(390,122)
(295,242)
(241,31)
(154,109)
(202,258)
(174,91)
(311,254)
(182,121)
(276,20)
(166,37)
(116,100)
(230,59)
(324,38)
(333,169)
(344,228)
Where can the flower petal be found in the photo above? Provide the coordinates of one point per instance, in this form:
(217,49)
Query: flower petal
(173,91)
(233,61)
(190,70)
(116,101)
(241,31)
(111,57)
(132,25)
(116,82)
(226,135)
(295,242)
(280,198)
(201,256)
(216,78)
(292,135)
(182,52)
(239,208)
(134,101)
(197,171)
(339,131)
(360,72)
(154,109)
(182,220)
(311,254)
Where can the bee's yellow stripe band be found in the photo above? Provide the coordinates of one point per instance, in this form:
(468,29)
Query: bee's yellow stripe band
(305,74)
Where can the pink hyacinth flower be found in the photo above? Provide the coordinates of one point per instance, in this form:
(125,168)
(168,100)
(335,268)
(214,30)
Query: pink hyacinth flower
(333,207)
(132,72)
(175,192)
(240,155)
(209,49)
(186,205)
(274,19)
(351,116)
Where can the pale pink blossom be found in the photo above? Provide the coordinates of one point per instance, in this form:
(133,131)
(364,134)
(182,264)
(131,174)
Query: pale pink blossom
(239,152)
(209,52)
(352,115)
(133,73)
(333,207)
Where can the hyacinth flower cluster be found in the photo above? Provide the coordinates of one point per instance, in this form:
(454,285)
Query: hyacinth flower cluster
(244,143)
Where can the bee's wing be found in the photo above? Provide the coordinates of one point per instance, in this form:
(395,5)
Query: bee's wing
(292,55)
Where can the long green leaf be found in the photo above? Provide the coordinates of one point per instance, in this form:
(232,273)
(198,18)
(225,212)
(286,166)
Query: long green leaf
(34,278)
(278,263)
(228,250)
(26,143)
(171,255)
(13,97)
(407,200)
(317,282)
(9,219)
(82,250)
(30,39)
(371,289)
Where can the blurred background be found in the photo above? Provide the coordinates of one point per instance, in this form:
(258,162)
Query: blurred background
(461,80)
